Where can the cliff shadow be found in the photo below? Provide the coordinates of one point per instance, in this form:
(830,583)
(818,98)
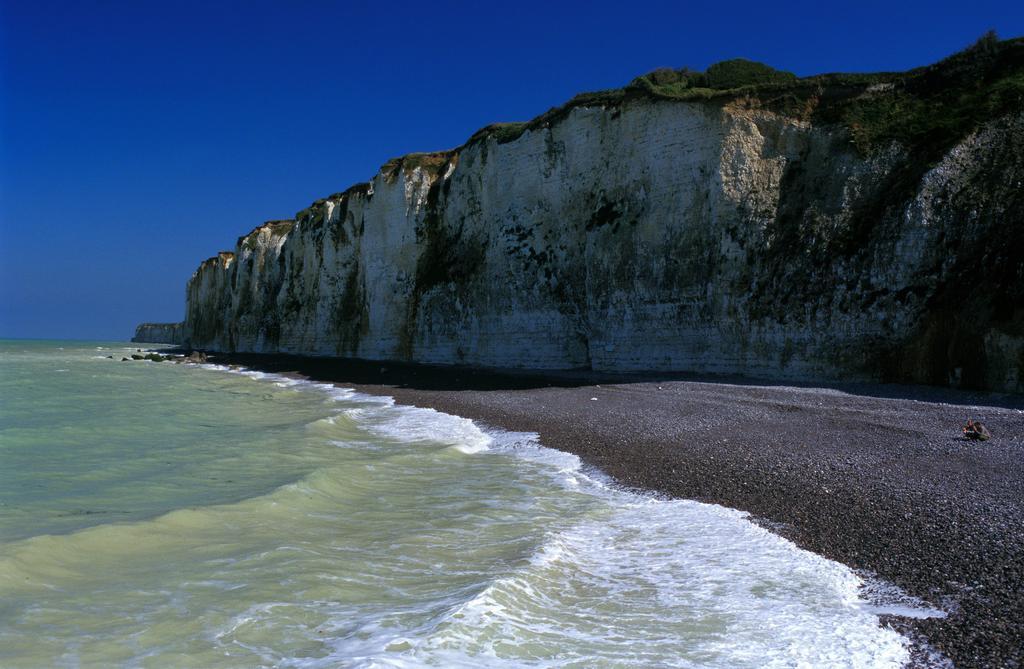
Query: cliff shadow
(427,377)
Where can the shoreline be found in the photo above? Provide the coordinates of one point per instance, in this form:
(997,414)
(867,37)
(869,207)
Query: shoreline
(874,476)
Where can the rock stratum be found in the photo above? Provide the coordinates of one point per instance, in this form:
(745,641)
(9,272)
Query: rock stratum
(160,333)
(739,220)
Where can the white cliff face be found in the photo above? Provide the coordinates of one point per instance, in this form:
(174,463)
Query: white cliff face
(655,235)
(207,303)
(159,333)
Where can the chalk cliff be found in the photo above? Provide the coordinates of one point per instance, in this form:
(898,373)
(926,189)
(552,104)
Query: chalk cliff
(160,333)
(835,227)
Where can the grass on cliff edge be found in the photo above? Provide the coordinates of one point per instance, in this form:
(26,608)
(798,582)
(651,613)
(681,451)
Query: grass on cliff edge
(927,108)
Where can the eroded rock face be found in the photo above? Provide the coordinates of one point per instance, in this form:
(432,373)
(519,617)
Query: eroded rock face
(652,235)
(159,333)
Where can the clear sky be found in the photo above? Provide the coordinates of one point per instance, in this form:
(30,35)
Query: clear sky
(137,138)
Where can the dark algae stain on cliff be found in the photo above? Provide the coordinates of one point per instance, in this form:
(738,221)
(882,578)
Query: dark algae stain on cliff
(446,256)
(607,213)
(350,315)
(983,291)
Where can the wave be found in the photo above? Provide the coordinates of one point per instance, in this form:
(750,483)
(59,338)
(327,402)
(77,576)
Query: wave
(428,541)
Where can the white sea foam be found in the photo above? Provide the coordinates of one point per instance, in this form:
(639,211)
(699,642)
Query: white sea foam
(382,417)
(667,566)
(410,424)
(638,580)
(883,598)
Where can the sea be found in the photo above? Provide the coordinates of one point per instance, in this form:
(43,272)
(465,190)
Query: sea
(162,515)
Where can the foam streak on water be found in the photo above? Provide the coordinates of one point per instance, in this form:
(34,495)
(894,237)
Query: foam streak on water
(266,521)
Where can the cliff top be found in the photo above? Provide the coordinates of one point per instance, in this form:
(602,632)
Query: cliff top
(927,110)
(279,227)
(223,259)
(938,103)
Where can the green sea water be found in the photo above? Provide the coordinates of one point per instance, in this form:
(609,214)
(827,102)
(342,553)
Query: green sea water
(160,515)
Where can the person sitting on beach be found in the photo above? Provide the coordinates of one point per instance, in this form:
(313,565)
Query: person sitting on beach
(976,430)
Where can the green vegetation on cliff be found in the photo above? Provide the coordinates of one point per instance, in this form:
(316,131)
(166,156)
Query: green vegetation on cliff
(934,107)
(725,76)
(929,107)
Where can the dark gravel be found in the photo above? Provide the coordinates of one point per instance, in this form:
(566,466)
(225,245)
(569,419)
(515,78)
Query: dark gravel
(877,477)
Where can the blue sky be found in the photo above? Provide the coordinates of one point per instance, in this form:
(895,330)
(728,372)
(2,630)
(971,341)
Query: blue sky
(137,138)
